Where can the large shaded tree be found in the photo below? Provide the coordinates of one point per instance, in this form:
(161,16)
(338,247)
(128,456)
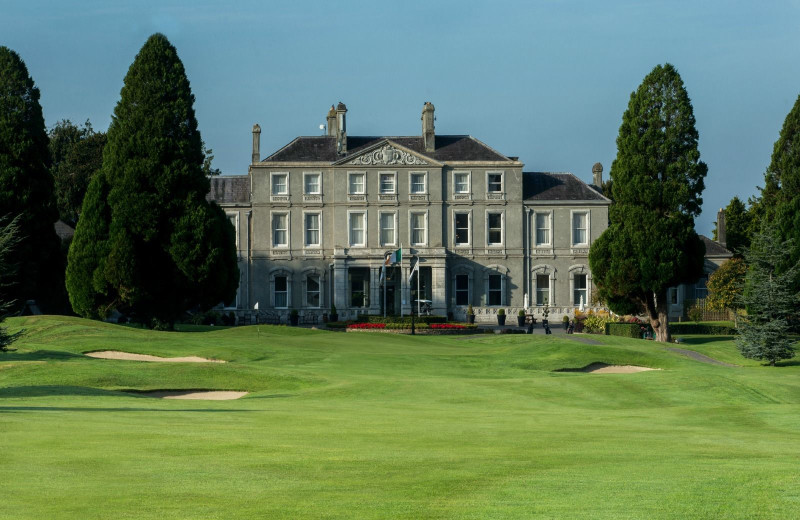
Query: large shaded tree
(26,188)
(650,244)
(148,242)
(780,197)
(77,154)
(739,226)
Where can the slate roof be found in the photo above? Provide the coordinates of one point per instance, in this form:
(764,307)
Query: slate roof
(715,248)
(230,189)
(557,186)
(448,148)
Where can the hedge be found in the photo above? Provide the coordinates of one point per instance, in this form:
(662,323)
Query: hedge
(702,328)
(626,330)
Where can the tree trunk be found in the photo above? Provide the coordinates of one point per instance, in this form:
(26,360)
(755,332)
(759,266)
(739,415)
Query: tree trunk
(659,319)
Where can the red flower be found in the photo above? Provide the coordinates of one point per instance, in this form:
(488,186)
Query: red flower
(447,326)
(367,326)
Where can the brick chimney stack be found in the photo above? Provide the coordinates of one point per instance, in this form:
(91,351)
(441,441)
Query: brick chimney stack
(597,175)
(341,128)
(256,143)
(331,122)
(428,132)
(721,238)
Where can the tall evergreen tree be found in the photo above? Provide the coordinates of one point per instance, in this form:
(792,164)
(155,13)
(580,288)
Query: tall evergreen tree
(147,241)
(780,197)
(26,188)
(770,299)
(657,176)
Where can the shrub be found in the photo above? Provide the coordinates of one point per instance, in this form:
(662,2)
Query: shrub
(702,328)
(695,313)
(626,330)
(501,312)
(366,326)
(470,310)
(405,319)
(521,313)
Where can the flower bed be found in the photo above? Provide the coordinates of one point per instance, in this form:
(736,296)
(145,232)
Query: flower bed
(366,326)
(420,328)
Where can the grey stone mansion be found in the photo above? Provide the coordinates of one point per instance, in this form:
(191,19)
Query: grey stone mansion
(315,220)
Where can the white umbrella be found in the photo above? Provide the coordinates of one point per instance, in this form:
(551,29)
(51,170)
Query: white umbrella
(581,307)
(525,301)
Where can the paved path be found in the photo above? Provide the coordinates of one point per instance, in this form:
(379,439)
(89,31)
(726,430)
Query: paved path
(700,357)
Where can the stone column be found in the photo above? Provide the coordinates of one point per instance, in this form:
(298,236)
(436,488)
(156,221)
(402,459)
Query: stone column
(340,285)
(439,290)
(375,290)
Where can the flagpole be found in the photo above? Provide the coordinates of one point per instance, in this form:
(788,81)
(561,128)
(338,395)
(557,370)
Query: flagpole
(402,281)
(384,286)
(419,275)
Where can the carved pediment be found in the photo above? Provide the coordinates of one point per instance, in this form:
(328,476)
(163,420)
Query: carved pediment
(388,155)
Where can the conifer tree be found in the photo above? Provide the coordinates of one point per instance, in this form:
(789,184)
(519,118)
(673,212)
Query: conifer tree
(26,188)
(770,299)
(657,176)
(154,246)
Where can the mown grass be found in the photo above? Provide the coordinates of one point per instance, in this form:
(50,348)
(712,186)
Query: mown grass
(382,426)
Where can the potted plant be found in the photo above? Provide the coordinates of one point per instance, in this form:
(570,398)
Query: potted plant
(501,317)
(521,318)
(470,314)
(333,316)
(565,321)
(294,318)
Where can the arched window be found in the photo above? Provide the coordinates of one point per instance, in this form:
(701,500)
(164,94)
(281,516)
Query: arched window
(280,288)
(543,277)
(495,285)
(312,284)
(462,283)
(580,285)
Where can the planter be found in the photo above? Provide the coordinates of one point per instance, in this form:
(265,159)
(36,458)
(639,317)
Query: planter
(294,320)
(470,318)
(333,317)
(501,319)
(520,321)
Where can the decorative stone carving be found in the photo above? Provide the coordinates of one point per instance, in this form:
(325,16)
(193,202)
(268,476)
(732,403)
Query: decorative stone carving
(388,155)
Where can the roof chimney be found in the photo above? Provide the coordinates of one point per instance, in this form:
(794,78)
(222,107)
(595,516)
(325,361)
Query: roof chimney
(341,129)
(721,238)
(332,122)
(256,143)
(597,175)
(428,133)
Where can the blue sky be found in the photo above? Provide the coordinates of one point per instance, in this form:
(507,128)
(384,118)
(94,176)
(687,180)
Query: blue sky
(547,81)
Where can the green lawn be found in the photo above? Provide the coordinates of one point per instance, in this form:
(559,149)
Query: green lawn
(382,426)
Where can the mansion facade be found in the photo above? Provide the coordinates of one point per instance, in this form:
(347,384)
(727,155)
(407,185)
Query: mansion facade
(315,220)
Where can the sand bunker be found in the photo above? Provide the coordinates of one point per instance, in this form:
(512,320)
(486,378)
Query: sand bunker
(127,356)
(603,368)
(208,395)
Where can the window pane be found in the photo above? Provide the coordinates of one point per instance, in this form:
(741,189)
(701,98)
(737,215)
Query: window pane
(462,289)
(279,185)
(357,229)
(279,230)
(281,293)
(579,282)
(462,228)
(312,229)
(579,228)
(495,182)
(542,289)
(542,229)
(461,182)
(387,228)
(417,228)
(387,183)
(357,183)
(417,183)
(312,183)
(495,289)
(312,291)
(495,228)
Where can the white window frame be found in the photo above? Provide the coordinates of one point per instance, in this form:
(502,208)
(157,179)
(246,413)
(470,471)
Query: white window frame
(587,215)
(411,230)
(306,175)
(411,183)
(272,228)
(468,213)
(489,290)
(275,276)
(393,175)
(394,228)
(580,269)
(549,218)
(319,228)
(536,289)
(468,174)
(272,176)
(350,228)
(350,175)
(502,181)
(502,228)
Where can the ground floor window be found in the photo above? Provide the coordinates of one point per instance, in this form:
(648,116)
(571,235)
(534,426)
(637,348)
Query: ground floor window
(462,289)
(312,291)
(359,287)
(579,290)
(281,292)
(542,289)
(495,289)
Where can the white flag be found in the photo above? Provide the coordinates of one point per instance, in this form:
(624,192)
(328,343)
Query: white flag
(413,270)
(255,307)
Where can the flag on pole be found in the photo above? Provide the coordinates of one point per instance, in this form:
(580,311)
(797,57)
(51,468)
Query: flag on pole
(386,263)
(413,270)
(396,257)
